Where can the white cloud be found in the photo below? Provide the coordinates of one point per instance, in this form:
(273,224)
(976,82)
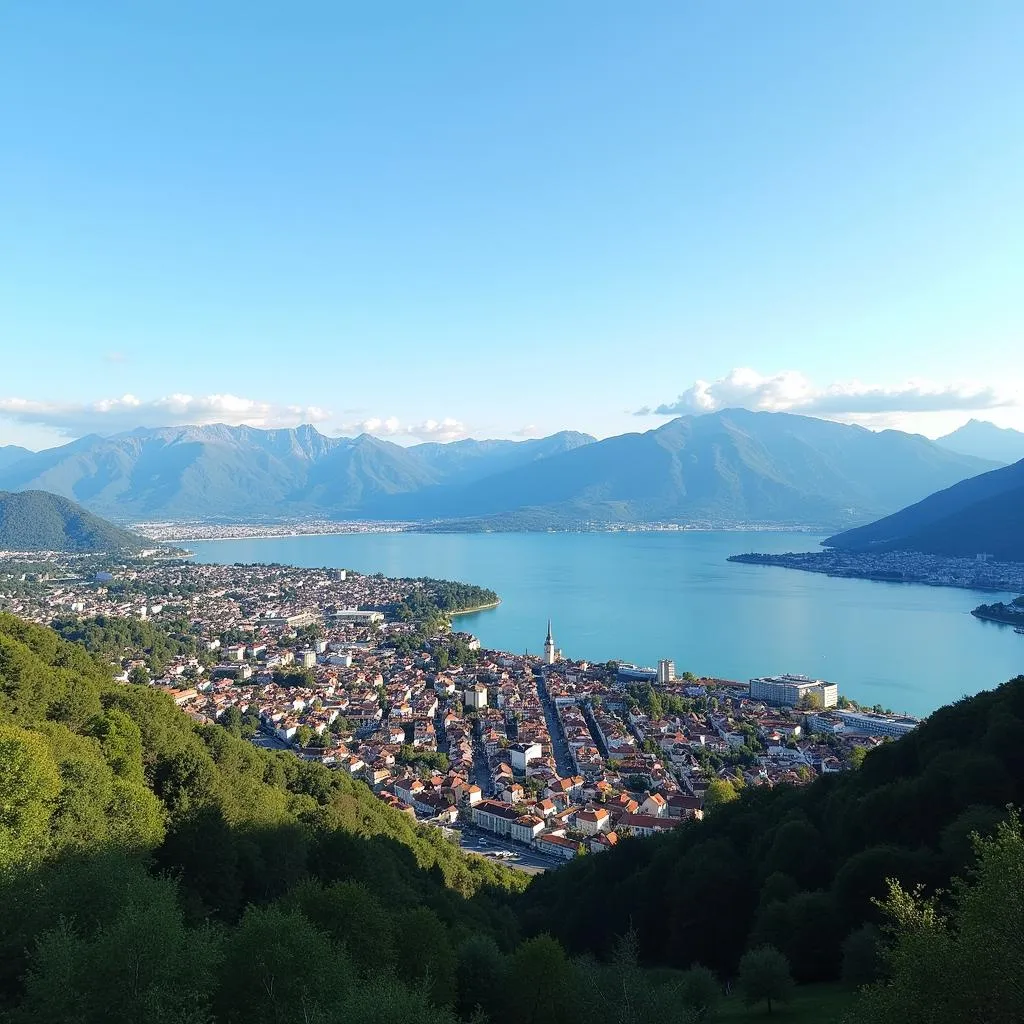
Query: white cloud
(791,391)
(111,415)
(447,429)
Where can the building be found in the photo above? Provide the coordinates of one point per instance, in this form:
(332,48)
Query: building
(629,673)
(592,820)
(790,690)
(355,616)
(298,621)
(475,696)
(494,816)
(550,654)
(870,724)
(666,671)
(522,754)
(526,828)
(307,659)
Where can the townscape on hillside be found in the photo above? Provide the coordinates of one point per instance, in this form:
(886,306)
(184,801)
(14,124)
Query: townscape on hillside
(557,756)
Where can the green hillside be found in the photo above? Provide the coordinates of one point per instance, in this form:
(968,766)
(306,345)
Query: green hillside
(39,521)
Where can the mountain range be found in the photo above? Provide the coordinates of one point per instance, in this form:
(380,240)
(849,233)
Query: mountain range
(982,514)
(986,441)
(39,521)
(725,468)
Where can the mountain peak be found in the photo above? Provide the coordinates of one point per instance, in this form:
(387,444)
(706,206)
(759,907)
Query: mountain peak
(985,440)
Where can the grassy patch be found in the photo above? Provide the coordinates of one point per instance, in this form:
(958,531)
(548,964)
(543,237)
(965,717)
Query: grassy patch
(811,1004)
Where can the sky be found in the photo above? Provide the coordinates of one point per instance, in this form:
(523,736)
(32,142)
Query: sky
(440,220)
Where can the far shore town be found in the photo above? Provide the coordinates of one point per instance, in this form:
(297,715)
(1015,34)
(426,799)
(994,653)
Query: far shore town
(534,758)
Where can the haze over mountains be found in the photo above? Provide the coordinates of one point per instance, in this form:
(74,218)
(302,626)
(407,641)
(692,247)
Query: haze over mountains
(986,441)
(724,468)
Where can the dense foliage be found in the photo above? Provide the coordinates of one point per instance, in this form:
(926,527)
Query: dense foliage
(145,860)
(114,638)
(958,956)
(40,521)
(429,608)
(798,868)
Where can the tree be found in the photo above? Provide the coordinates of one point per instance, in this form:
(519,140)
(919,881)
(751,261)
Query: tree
(481,970)
(700,991)
(764,975)
(862,961)
(965,966)
(539,983)
(719,791)
(810,702)
(138,676)
(29,785)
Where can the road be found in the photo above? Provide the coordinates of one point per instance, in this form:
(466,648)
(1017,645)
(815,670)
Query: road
(268,741)
(563,756)
(474,840)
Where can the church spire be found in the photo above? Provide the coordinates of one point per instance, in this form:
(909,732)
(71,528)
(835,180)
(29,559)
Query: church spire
(550,654)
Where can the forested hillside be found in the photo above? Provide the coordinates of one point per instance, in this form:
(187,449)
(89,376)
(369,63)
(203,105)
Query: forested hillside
(39,521)
(799,868)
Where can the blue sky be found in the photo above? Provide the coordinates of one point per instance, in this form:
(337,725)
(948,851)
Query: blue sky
(506,219)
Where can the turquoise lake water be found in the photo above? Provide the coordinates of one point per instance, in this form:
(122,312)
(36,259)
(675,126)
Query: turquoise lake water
(645,596)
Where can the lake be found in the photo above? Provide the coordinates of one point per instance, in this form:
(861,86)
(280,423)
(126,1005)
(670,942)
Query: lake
(644,596)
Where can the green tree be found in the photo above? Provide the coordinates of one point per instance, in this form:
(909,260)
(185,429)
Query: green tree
(138,676)
(423,945)
(481,969)
(700,991)
(29,787)
(142,966)
(862,961)
(539,983)
(764,977)
(279,968)
(719,791)
(964,966)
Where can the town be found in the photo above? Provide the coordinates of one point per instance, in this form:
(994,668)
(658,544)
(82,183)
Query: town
(534,759)
(980,572)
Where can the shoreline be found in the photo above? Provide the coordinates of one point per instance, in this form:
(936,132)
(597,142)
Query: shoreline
(375,529)
(477,608)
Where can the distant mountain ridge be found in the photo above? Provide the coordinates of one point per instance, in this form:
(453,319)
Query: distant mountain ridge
(12,453)
(984,514)
(728,468)
(986,441)
(38,521)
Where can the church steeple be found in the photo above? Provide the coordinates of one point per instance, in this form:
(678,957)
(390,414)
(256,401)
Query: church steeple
(550,654)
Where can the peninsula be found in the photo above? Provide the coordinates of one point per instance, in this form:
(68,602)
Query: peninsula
(899,567)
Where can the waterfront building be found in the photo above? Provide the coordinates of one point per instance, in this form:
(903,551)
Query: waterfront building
(790,690)
(870,724)
(666,671)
